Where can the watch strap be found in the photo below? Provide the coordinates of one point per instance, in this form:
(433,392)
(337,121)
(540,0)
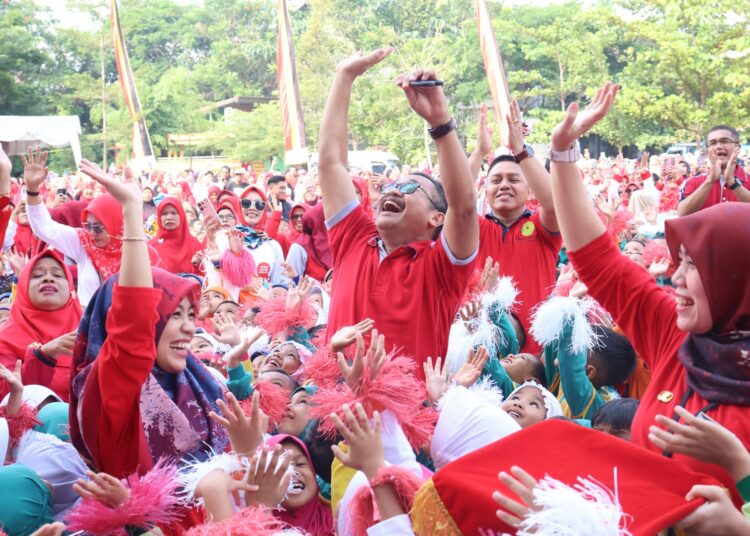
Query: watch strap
(32,194)
(736,184)
(441,130)
(568,156)
(523,155)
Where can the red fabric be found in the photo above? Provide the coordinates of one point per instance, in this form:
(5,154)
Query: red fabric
(27,324)
(720,193)
(187,193)
(214,190)
(314,238)
(24,241)
(285,240)
(647,315)
(261,225)
(650,488)
(107,210)
(69,213)
(364,193)
(4,219)
(176,247)
(412,295)
(111,406)
(232,202)
(527,253)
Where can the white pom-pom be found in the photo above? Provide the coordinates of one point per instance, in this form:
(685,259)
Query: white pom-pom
(550,317)
(587,508)
(460,341)
(504,295)
(488,390)
(194,471)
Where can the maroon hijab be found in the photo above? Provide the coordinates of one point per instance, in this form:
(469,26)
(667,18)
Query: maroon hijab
(718,242)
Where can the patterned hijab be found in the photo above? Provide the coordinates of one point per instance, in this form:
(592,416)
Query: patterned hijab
(174,406)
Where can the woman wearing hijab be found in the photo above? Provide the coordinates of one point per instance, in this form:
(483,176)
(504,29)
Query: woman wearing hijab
(25,500)
(310,254)
(96,248)
(149,207)
(174,243)
(303,507)
(138,394)
(695,343)
(285,240)
(266,252)
(41,327)
(24,241)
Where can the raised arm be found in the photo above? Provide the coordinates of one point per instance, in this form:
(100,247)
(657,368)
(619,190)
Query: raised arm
(533,170)
(461,227)
(333,143)
(575,214)
(694,202)
(5,167)
(484,143)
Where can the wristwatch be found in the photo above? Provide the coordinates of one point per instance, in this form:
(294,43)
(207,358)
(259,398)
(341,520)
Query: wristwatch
(568,156)
(736,185)
(523,155)
(441,130)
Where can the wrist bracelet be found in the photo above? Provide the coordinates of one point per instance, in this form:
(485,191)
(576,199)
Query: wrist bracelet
(32,194)
(135,239)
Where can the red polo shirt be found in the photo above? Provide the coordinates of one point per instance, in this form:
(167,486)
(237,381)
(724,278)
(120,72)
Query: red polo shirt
(412,294)
(528,253)
(720,192)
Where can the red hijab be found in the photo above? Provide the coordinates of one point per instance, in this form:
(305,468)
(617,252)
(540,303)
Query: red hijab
(261,225)
(214,190)
(107,210)
(24,241)
(314,237)
(27,323)
(232,202)
(299,207)
(176,247)
(314,517)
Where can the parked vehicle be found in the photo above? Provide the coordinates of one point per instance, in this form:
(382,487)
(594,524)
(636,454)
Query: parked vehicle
(377,162)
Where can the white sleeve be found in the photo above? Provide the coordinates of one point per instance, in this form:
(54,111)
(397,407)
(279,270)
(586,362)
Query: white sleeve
(394,526)
(297,258)
(277,275)
(61,237)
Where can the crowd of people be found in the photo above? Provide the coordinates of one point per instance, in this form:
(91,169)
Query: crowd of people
(505,343)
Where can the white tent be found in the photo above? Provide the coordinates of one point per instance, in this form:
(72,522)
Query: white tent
(19,132)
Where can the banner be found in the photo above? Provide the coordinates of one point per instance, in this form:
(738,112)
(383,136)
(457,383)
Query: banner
(141,141)
(493,66)
(289,98)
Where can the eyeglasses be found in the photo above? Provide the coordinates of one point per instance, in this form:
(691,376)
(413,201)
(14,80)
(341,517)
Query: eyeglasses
(94,228)
(249,203)
(408,188)
(297,217)
(722,141)
(226,217)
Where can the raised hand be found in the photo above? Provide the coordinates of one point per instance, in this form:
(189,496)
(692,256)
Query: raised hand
(659,267)
(257,288)
(271,477)
(245,431)
(522,484)
(34,169)
(50,529)
(365,444)
(468,313)
(17,261)
(127,192)
(428,102)
(289,270)
(62,345)
(15,385)
(435,378)
(731,166)
(348,334)
(469,373)
(297,293)
(490,275)
(5,168)
(356,65)
(227,330)
(576,124)
(515,129)
(102,487)
(375,358)
(484,133)
(236,240)
(235,355)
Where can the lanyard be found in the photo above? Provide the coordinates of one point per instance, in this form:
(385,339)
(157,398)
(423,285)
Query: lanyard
(676,418)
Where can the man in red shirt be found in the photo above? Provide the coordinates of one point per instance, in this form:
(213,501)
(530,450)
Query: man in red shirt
(408,269)
(726,181)
(526,243)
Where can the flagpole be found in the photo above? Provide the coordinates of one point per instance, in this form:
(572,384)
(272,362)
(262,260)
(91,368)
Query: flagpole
(104,92)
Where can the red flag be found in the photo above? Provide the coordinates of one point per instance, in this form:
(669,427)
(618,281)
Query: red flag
(493,66)
(289,98)
(141,140)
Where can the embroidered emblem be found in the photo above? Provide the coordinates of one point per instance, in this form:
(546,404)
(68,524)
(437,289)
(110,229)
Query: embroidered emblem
(528,228)
(665,396)
(744,358)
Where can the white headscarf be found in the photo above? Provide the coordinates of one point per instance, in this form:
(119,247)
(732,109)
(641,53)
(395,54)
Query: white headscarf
(554,409)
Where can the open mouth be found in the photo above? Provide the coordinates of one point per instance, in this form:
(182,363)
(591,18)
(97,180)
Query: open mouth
(48,289)
(274,362)
(513,413)
(684,302)
(180,347)
(392,205)
(504,195)
(296,487)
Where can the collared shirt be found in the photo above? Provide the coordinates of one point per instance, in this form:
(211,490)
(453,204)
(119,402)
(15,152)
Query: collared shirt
(527,252)
(412,293)
(720,192)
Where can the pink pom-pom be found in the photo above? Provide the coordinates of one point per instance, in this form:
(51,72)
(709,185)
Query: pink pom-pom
(153,501)
(238,268)
(406,485)
(20,423)
(276,319)
(395,389)
(252,521)
(420,430)
(272,401)
(657,252)
(620,222)
(322,368)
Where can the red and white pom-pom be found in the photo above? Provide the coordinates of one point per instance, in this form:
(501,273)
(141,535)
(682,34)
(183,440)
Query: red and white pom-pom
(238,268)
(153,501)
(20,423)
(421,428)
(251,521)
(619,223)
(655,252)
(322,368)
(275,318)
(406,485)
(395,389)
(272,401)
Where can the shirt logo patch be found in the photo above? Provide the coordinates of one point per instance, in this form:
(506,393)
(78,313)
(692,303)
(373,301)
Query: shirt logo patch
(264,270)
(528,228)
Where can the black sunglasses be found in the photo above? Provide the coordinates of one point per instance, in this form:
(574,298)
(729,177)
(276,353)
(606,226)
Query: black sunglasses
(249,203)
(94,228)
(408,188)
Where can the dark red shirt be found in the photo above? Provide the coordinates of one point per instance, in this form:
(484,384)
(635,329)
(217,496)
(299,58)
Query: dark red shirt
(412,294)
(720,192)
(528,253)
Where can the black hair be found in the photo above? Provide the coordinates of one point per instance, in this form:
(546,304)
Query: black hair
(616,414)
(518,328)
(442,202)
(501,158)
(275,179)
(319,448)
(232,302)
(686,164)
(539,372)
(315,330)
(725,127)
(295,385)
(614,357)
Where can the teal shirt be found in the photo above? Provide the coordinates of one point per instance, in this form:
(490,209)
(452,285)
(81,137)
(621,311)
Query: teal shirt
(239,382)
(493,368)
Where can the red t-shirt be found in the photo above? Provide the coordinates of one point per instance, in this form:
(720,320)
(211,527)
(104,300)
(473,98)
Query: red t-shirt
(413,294)
(528,253)
(648,317)
(720,192)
